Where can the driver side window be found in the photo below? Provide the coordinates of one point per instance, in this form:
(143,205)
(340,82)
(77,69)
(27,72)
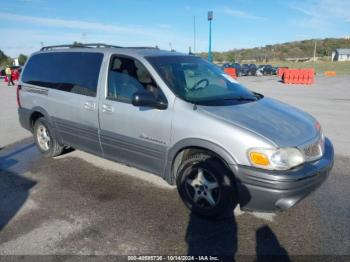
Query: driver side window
(127,76)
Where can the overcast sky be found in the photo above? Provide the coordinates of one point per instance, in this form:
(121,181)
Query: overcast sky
(27,24)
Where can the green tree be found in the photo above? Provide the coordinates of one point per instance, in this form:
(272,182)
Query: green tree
(22,59)
(4,59)
(77,44)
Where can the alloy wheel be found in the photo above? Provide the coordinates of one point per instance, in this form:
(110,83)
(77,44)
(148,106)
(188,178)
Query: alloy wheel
(203,188)
(43,138)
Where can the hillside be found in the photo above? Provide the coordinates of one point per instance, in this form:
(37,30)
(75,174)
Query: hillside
(297,49)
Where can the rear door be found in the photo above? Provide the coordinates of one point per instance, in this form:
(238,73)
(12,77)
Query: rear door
(72,79)
(138,136)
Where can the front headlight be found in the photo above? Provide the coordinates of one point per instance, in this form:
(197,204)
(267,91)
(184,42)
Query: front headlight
(275,159)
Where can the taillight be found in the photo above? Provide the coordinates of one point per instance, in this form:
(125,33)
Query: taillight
(18,99)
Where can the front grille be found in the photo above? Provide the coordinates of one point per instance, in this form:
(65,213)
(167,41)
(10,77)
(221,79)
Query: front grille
(314,150)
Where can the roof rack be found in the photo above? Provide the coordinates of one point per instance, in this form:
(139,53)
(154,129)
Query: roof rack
(141,47)
(94,45)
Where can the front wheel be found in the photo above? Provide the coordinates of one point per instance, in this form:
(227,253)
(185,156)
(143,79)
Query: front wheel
(206,186)
(44,139)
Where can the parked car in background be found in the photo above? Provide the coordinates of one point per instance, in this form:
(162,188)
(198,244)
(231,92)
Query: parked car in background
(267,70)
(226,65)
(274,70)
(252,69)
(245,69)
(248,69)
(238,68)
(264,70)
(259,70)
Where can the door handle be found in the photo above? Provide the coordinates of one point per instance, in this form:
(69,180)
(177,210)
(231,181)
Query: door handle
(89,105)
(107,108)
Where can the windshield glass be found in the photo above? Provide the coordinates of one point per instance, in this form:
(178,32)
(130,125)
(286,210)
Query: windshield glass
(198,81)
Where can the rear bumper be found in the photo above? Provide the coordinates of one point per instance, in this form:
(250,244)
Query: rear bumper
(270,191)
(24,118)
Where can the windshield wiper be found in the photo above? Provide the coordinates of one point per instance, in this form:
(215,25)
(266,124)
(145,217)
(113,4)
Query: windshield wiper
(242,98)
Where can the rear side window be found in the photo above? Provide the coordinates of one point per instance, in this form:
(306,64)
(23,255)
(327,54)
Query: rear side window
(75,72)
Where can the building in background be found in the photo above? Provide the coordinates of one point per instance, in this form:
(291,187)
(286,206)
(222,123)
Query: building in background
(15,61)
(341,55)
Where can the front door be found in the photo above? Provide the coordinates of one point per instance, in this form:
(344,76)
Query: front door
(138,136)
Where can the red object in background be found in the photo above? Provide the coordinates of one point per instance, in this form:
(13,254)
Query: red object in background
(298,76)
(15,75)
(286,76)
(231,72)
(311,75)
(280,70)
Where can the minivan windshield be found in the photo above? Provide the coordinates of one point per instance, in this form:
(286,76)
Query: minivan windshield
(197,81)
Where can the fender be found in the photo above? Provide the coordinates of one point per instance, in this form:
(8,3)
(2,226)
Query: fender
(194,142)
(43,112)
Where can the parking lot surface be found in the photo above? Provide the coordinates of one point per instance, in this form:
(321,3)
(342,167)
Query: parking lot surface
(82,204)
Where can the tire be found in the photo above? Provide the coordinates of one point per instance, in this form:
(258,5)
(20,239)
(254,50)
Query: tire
(45,139)
(213,196)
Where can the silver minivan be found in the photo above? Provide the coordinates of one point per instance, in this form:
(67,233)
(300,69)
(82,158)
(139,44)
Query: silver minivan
(179,117)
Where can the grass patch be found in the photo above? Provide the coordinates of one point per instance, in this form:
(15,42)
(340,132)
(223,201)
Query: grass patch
(342,68)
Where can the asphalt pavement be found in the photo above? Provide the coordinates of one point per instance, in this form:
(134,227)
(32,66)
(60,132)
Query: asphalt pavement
(85,205)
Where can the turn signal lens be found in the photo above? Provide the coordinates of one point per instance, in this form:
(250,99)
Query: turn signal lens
(259,159)
(276,159)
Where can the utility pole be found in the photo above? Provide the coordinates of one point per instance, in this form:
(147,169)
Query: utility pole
(315,50)
(194,34)
(210,18)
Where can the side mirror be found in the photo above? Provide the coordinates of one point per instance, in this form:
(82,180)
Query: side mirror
(148,100)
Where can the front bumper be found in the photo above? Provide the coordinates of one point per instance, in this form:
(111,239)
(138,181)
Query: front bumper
(270,191)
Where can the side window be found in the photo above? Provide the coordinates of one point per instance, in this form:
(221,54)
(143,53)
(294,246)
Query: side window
(127,76)
(75,72)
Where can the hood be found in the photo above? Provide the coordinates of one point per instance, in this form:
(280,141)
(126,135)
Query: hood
(280,123)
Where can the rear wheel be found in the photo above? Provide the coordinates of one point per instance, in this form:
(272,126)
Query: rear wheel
(206,186)
(44,139)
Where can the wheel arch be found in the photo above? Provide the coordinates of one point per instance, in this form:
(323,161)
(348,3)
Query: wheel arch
(191,146)
(36,113)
